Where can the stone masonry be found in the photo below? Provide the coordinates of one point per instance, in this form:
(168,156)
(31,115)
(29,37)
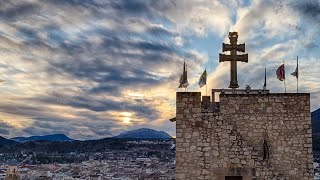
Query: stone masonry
(252,136)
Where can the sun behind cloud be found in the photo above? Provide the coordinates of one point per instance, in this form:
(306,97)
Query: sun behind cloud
(126,117)
(126,120)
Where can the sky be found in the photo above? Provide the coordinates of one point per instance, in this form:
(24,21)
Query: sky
(93,69)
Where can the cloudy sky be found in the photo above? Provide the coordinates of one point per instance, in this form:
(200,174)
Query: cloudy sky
(93,69)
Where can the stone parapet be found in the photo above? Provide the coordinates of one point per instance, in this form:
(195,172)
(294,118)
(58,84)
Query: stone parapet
(256,136)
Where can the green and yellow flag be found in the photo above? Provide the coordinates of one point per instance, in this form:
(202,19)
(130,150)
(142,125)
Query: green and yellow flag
(203,79)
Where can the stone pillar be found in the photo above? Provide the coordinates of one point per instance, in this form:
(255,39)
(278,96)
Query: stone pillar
(188,104)
(206,104)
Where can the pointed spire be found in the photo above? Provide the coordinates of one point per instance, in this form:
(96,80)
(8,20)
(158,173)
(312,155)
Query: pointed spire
(183,77)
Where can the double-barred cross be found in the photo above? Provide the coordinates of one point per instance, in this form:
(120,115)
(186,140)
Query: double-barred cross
(233,47)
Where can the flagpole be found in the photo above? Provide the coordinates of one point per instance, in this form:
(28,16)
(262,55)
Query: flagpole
(206,81)
(297,75)
(285,87)
(265,79)
(186,76)
(206,90)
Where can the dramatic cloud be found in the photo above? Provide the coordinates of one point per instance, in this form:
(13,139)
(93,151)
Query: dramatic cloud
(92,69)
(275,32)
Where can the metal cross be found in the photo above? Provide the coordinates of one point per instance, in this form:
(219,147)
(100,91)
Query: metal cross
(233,47)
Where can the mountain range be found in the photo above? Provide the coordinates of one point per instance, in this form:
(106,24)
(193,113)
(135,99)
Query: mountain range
(6,141)
(52,137)
(143,133)
(315,120)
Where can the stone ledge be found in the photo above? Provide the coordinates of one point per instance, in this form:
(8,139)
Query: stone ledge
(188,94)
(270,94)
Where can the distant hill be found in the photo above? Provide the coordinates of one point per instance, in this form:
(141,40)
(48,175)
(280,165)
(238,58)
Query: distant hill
(87,147)
(52,137)
(4,141)
(315,119)
(144,133)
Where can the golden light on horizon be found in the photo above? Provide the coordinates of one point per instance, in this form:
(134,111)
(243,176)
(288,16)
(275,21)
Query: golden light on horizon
(16,121)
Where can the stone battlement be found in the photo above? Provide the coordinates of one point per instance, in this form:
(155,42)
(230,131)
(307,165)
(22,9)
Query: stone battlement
(253,136)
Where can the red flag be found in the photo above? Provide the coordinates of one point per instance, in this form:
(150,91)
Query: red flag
(281,73)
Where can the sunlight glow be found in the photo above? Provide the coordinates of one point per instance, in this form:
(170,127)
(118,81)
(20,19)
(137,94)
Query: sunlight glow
(136,95)
(127,114)
(126,117)
(126,120)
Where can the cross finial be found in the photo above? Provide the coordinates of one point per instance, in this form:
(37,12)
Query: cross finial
(233,47)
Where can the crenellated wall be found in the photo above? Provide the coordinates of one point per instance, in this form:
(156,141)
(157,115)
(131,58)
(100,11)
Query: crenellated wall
(253,136)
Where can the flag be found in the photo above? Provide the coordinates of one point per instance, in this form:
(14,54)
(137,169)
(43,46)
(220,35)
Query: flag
(281,73)
(203,79)
(265,79)
(183,77)
(295,73)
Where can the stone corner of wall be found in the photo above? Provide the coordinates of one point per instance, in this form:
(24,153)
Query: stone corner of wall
(186,96)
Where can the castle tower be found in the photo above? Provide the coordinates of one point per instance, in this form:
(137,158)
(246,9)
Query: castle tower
(247,135)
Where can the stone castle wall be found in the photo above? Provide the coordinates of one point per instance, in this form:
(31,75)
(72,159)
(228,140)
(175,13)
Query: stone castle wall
(253,136)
